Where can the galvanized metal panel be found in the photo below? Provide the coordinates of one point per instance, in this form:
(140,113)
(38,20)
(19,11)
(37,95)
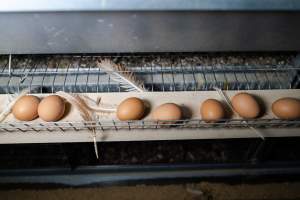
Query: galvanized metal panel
(94,32)
(150,5)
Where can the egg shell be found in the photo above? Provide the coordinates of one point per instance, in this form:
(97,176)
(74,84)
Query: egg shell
(245,105)
(212,110)
(286,108)
(51,108)
(131,109)
(26,108)
(167,111)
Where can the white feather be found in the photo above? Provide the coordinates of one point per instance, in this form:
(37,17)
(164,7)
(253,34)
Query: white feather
(120,74)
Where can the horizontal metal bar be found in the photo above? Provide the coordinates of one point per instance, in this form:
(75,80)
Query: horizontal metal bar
(145,124)
(154,5)
(138,173)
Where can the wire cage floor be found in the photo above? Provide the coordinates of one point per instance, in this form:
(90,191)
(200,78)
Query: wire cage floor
(235,145)
(165,72)
(160,73)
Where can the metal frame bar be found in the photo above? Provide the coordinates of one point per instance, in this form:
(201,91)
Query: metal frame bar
(142,124)
(155,5)
(116,174)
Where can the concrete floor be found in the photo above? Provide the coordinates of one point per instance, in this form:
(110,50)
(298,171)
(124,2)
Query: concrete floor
(200,191)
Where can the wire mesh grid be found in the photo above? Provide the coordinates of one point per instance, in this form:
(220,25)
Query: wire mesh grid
(80,73)
(143,124)
(178,72)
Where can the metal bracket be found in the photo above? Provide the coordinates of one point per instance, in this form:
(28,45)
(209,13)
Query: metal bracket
(9,65)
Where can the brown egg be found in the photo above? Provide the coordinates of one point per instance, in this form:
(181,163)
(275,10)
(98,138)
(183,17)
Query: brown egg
(212,110)
(287,108)
(167,111)
(245,105)
(131,109)
(26,108)
(51,108)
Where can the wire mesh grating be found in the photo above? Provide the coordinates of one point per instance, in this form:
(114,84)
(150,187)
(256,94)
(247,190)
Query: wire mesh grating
(145,124)
(159,73)
(176,72)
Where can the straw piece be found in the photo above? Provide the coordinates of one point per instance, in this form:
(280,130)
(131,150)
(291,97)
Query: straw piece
(224,96)
(8,108)
(85,113)
(97,106)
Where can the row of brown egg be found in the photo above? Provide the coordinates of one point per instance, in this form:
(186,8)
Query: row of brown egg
(52,108)
(29,107)
(211,110)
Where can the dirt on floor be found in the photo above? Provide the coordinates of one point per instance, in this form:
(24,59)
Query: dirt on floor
(200,191)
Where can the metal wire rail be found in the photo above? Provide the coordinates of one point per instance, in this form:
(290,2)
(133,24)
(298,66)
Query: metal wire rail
(169,73)
(143,124)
